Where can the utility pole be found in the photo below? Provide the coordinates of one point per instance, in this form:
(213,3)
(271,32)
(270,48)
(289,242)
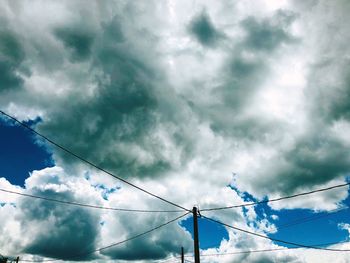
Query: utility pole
(182,255)
(195,234)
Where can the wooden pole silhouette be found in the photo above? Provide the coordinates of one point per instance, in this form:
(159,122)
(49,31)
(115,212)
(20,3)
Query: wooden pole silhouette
(195,234)
(182,255)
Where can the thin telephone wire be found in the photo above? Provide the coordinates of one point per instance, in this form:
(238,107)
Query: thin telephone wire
(90,163)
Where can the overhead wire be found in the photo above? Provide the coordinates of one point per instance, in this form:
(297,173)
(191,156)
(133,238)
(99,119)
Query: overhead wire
(114,244)
(165,200)
(273,239)
(169,259)
(288,224)
(277,199)
(267,250)
(63,148)
(246,252)
(311,218)
(88,205)
(172,259)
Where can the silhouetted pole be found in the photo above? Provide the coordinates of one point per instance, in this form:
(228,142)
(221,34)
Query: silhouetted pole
(195,233)
(17,259)
(182,255)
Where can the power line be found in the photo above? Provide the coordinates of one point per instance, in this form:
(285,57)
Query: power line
(267,250)
(90,163)
(307,219)
(90,206)
(117,243)
(169,259)
(246,252)
(277,199)
(136,236)
(311,218)
(274,239)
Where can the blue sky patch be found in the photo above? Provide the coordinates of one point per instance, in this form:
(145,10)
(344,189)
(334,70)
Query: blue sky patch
(210,233)
(305,226)
(105,191)
(20,153)
(302,226)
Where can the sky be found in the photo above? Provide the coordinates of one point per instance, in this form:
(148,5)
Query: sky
(204,103)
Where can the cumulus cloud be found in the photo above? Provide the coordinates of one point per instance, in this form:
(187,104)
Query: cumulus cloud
(175,97)
(204,31)
(11,55)
(268,34)
(66,232)
(78,43)
(51,230)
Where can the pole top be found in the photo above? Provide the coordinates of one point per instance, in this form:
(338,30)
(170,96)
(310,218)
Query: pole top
(195,210)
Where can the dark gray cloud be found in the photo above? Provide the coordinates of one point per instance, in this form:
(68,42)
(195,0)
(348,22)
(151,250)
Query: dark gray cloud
(144,248)
(267,34)
(116,126)
(319,155)
(272,259)
(240,80)
(263,259)
(113,31)
(313,160)
(328,82)
(63,242)
(117,108)
(11,57)
(243,76)
(204,31)
(121,112)
(157,245)
(58,231)
(77,41)
(316,159)
(65,232)
(330,99)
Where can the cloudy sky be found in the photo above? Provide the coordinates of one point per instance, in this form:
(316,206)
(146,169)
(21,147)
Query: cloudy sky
(205,103)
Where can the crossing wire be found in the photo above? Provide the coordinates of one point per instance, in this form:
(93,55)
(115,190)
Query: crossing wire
(88,205)
(172,259)
(89,162)
(311,218)
(277,199)
(113,244)
(267,250)
(274,239)
(169,259)
(247,252)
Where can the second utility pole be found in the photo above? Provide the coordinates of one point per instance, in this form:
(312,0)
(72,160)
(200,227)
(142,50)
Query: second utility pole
(195,235)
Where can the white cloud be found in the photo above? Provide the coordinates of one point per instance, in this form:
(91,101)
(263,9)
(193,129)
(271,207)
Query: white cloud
(129,86)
